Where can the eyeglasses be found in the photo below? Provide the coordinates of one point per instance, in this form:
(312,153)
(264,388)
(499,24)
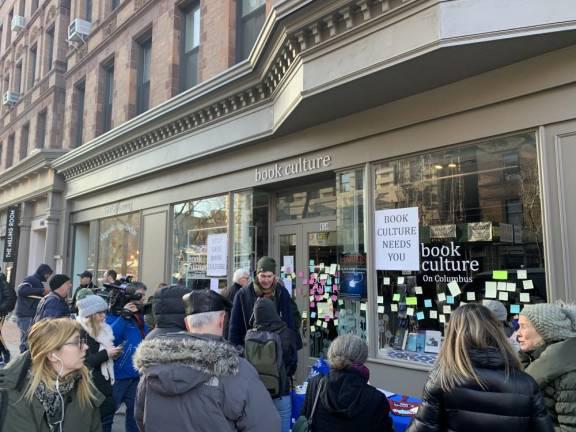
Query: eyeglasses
(80,342)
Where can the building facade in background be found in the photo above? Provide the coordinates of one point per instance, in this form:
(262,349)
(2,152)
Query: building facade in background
(398,158)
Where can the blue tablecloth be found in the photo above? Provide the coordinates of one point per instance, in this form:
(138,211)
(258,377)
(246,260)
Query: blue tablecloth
(400,422)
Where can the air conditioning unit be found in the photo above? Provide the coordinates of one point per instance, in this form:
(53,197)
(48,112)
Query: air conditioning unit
(79,30)
(18,23)
(10,98)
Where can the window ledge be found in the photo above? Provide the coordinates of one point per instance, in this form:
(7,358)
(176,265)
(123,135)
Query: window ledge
(406,359)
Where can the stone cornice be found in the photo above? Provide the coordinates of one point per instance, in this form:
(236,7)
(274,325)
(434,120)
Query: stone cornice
(38,160)
(244,86)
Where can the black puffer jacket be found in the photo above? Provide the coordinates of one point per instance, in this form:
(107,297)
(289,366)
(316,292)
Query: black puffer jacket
(347,403)
(168,309)
(507,404)
(7,296)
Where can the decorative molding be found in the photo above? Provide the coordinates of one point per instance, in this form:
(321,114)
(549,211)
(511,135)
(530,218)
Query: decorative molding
(138,4)
(110,26)
(50,14)
(330,25)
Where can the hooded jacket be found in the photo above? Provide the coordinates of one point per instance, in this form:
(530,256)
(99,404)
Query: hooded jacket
(199,383)
(7,296)
(30,291)
(23,415)
(347,403)
(512,403)
(241,318)
(554,369)
(168,309)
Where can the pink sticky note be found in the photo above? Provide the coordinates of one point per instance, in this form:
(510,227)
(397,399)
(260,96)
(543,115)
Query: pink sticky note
(334,298)
(300,274)
(312,305)
(319,298)
(335,287)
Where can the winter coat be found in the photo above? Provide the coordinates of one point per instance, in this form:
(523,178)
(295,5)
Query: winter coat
(168,310)
(554,369)
(242,319)
(30,291)
(507,404)
(347,403)
(94,359)
(7,296)
(199,383)
(130,334)
(52,306)
(23,415)
(230,294)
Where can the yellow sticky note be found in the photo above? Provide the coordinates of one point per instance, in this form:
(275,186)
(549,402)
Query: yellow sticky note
(442,319)
(528,284)
(325,325)
(447,309)
(500,274)
(335,322)
(380,299)
(380,309)
(441,297)
(418,290)
(433,314)
(396,297)
(312,329)
(411,301)
(394,307)
(471,296)
(304,314)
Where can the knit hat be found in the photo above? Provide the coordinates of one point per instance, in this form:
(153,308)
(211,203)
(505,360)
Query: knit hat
(497,309)
(90,305)
(83,293)
(57,281)
(266,264)
(554,322)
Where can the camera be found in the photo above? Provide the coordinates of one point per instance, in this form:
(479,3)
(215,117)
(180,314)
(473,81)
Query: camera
(120,294)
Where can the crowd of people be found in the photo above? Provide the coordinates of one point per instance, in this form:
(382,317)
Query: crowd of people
(225,362)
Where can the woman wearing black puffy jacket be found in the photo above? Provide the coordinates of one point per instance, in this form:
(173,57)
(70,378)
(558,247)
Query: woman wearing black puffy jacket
(477,384)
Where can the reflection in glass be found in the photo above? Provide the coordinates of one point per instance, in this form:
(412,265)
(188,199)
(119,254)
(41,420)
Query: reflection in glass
(118,244)
(316,201)
(250,229)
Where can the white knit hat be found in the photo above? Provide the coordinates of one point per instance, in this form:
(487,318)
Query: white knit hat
(90,305)
(554,322)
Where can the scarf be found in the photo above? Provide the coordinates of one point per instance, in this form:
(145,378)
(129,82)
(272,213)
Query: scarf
(267,292)
(52,400)
(362,370)
(106,340)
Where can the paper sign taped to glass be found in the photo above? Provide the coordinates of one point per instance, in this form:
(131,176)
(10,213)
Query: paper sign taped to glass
(397,239)
(480,231)
(353,276)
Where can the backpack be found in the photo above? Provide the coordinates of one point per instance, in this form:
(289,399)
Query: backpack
(263,349)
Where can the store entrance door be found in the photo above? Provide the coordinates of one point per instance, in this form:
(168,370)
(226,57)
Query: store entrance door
(304,251)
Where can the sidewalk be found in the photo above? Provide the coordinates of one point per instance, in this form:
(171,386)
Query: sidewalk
(11,337)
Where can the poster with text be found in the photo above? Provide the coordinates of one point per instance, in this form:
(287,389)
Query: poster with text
(397,244)
(217,250)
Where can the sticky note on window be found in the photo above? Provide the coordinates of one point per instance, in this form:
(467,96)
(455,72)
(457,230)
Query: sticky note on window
(511,287)
(340,302)
(490,290)
(502,286)
(442,319)
(394,307)
(503,296)
(304,314)
(418,290)
(500,274)
(318,323)
(326,296)
(528,284)
(411,301)
(311,298)
(446,309)
(420,316)
(311,262)
(410,311)
(471,296)
(312,329)
(325,325)
(312,314)
(380,309)
(427,303)
(362,306)
(441,297)
(449,300)
(335,322)
(515,309)
(396,297)
(400,280)
(521,274)
(386,281)
(454,288)
(525,297)
(433,314)
(380,299)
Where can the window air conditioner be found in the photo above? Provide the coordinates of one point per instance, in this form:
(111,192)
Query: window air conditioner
(10,98)
(18,23)
(78,30)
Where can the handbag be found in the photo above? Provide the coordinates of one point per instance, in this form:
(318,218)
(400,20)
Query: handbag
(304,424)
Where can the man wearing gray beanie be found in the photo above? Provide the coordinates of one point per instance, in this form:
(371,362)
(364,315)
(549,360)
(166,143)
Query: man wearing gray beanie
(547,338)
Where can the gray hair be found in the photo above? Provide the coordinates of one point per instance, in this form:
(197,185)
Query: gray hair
(203,319)
(239,274)
(347,350)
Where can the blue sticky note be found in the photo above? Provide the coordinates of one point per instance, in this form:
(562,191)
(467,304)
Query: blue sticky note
(427,303)
(419,316)
(515,309)
(450,299)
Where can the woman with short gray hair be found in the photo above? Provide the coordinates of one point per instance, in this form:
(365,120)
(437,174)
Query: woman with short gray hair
(345,399)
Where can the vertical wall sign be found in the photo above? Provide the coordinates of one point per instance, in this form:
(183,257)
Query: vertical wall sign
(12,233)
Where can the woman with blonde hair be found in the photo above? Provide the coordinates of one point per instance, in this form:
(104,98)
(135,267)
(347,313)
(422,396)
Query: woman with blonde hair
(48,387)
(477,383)
(101,351)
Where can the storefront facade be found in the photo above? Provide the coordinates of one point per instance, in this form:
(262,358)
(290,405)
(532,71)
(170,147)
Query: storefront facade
(386,203)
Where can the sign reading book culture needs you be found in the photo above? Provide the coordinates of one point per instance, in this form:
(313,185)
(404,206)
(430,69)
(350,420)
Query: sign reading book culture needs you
(397,239)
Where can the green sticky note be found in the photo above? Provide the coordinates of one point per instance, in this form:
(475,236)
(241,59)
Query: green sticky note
(396,297)
(500,274)
(411,301)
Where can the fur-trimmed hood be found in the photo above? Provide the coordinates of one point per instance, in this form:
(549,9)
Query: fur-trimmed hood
(177,362)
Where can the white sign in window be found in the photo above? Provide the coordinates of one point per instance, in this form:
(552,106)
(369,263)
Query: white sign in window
(217,249)
(397,244)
